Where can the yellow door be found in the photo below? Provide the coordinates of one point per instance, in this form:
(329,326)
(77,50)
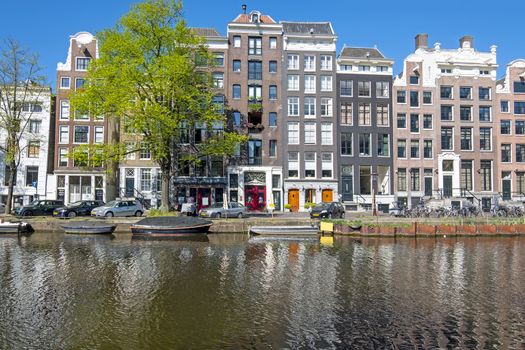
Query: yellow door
(293,199)
(327,196)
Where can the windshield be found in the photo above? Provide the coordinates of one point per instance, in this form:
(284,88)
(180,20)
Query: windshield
(322,206)
(216,205)
(76,204)
(37,202)
(111,204)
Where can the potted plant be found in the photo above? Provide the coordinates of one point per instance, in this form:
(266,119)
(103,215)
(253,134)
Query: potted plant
(287,207)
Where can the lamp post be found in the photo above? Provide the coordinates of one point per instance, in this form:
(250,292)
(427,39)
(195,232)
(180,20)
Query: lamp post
(374,178)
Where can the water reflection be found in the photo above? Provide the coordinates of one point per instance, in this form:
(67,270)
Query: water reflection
(111,292)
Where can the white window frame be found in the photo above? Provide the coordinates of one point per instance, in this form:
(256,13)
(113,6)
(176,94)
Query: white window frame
(327,105)
(99,131)
(327,83)
(293,133)
(309,84)
(75,132)
(236,41)
(327,134)
(309,63)
(62,156)
(310,133)
(88,59)
(293,82)
(384,89)
(64,104)
(309,112)
(293,62)
(60,129)
(327,164)
(326,62)
(293,102)
(64,87)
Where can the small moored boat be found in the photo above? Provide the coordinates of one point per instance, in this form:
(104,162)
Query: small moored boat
(15,227)
(284,230)
(171,226)
(88,227)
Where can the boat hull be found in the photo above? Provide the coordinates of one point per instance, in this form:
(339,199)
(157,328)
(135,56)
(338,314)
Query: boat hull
(166,231)
(15,227)
(307,231)
(90,230)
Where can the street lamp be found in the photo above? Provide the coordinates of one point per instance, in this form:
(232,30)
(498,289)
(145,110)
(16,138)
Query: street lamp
(374,178)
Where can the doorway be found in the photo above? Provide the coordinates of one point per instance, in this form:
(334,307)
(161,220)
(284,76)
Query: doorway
(327,195)
(293,199)
(447,186)
(506,185)
(348,193)
(428,186)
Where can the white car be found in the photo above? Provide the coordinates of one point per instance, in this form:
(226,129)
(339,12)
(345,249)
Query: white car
(121,207)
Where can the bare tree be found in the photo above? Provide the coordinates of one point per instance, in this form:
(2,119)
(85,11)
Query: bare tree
(21,88)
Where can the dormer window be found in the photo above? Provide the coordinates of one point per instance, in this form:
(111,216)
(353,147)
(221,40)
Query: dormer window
(255,17)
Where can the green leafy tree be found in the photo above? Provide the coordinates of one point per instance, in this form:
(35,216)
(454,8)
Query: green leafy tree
(149,77)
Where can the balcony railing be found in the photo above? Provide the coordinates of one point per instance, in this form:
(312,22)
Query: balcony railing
(254,160)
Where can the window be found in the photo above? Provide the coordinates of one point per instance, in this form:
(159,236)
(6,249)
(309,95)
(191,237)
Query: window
(465,113)
(254,70)
(486,175)
(363,68)
(326,62)
(364,144)
(309,133)
(505,127)
(99,134)
(65,83)
(145,179)
(506,153)
(236,41)
(145,152)
(346,143)
(63,136)
(427,97)
(293,62)
(309,63)
(81,114)
(254,46)
(34,126)
(427,149)
(484,72)
(446,92)
(519,107)
(520,127)
(466,139)
(81,134)
(33,149)
(465,93)
(293,133)
(327,165)
(446,71)
(504,106)
(520,153)
(273,148)
(309,106)
(364,114)
(414,80)
(130,151)
(382,115)
(401,96)
(383,145)
(326,134)
(484,114)
(427,121)
(363,88)
(83,63)
(415,181)
(272,66)
(401,120)
(446,139)
(326,83)
(293,164)
(236,91)
(414,148)
(414,99)
(32,176)
(326,107)
(218,59)
(520,181)
(272,118)
(309,164)
(446,113)
(293,82)
(381,69)
(272,42)
(346,113)
(414,122)
(218,80)
(62,160)
(382,89)
(402,179)
(345,67)
(485,143)
(519,87)
(484,93)
(272,92)
(466,175)
(346,87)
(401,148)
(218,102)
(309,84)
(236,65)
(293,106)
(276,181)
(79,83)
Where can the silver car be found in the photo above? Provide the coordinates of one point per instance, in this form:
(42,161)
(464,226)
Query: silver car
(119,207)
(235,210)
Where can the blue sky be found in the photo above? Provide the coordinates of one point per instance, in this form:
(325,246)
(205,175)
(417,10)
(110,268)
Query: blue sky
(45,26)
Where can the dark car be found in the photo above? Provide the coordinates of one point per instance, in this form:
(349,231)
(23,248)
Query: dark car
(80,208)
(39,207)
(328,210)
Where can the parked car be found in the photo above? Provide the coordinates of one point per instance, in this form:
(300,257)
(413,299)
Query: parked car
(120,207)
(80,208)
(235,210)
(38,207)
(328,210)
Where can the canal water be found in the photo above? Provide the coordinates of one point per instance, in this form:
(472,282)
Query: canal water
(95,292)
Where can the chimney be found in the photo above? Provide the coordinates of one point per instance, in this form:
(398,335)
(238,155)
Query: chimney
(421,41)
(466,42)
(244,8)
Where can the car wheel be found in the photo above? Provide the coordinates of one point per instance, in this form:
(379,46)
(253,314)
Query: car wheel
(28,213)
(217,215)
(138,213)
(109,214)
(240,216)
(71,214)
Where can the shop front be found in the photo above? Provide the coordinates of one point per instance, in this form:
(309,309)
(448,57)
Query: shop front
(203,191)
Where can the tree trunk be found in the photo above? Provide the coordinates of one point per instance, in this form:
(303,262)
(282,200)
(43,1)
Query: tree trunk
(165,189)
(10,187)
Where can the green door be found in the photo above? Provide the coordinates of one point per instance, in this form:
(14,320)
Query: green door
(447,186)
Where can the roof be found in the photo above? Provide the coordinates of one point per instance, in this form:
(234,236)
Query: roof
(314,28)
(361,52)
(206,32)
(245,18)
